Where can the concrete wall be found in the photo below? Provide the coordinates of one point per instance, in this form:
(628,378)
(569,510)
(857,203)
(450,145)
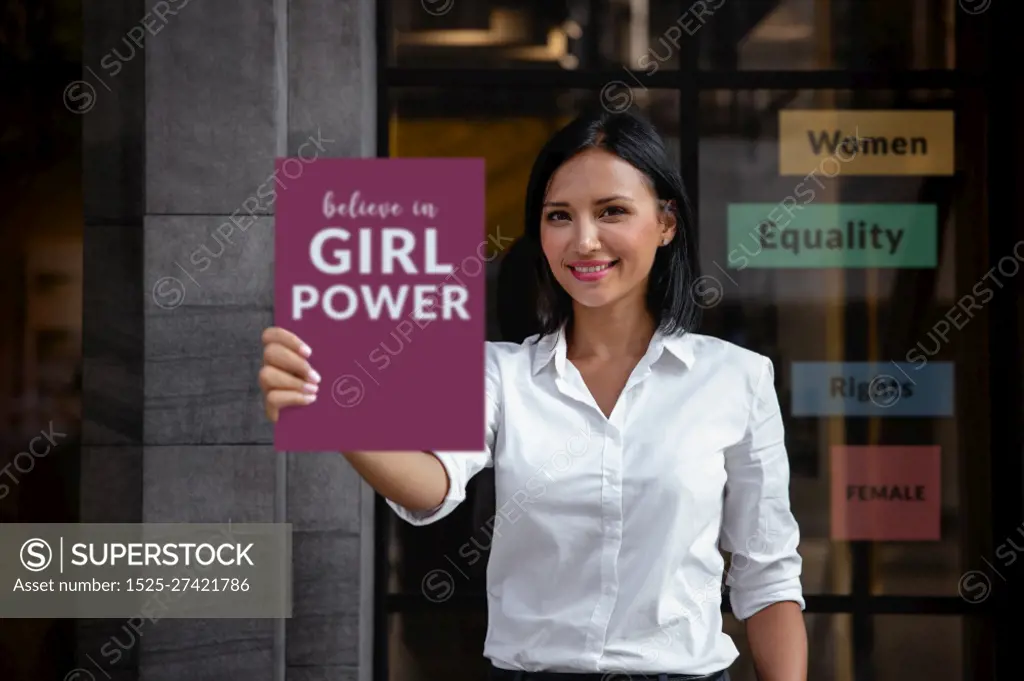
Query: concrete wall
(178,135)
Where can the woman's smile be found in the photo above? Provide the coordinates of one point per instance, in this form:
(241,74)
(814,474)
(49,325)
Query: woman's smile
(591,270)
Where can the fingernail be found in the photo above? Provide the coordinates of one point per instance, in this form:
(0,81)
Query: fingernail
(310,398)
(310,387)
(305,350)
(314,376)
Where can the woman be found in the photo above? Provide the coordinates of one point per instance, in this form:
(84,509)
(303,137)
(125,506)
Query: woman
(627,449)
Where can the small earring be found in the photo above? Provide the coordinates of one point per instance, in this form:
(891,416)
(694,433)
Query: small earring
(664,242)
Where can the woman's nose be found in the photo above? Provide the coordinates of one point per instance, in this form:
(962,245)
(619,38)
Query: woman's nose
(587,240)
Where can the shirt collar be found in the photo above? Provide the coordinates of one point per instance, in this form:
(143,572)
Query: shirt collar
(681,346)
(552,347)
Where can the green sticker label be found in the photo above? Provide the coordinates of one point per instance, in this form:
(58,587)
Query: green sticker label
(842,235)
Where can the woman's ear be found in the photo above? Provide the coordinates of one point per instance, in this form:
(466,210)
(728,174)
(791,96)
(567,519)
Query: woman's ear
(668,222)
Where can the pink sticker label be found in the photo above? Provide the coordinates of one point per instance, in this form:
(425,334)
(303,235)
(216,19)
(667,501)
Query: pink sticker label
(380,267)
(886,493)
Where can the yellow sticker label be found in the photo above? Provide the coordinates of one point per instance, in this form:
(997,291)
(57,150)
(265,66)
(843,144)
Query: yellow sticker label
(856,142)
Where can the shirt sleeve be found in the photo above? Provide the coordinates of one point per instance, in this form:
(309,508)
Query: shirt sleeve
(462,466)
(758,527)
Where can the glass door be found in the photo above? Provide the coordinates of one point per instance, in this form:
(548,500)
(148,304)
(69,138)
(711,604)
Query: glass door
(839,156)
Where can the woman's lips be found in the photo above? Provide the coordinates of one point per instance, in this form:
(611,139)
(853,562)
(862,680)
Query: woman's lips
(591,270)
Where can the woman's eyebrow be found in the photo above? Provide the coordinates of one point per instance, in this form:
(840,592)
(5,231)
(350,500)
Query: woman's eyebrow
(607,199)
(614,197)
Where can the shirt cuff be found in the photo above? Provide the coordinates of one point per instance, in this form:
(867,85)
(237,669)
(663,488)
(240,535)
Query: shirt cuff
(455,496)
(745,604)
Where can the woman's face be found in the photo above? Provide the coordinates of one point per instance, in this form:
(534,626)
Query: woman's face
(601,227)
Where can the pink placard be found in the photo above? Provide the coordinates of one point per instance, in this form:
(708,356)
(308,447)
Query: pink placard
(380,269)
(886,493)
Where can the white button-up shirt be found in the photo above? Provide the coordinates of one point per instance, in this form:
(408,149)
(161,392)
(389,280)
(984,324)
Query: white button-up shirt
(605,547)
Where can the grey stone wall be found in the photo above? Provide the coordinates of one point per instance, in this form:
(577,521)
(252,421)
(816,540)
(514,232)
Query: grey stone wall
(180,134)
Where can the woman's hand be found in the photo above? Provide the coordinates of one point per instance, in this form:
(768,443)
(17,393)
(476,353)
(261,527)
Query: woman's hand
(286,379)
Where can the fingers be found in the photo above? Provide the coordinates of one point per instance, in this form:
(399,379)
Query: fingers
(279,336)
(286,378)
(272,378)
(282,389)
(276,400)
(287,360)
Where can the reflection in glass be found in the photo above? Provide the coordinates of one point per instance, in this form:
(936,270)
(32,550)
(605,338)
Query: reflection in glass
(789,35)
(437,646)
(799,315)
(904,648)
(800,35)
(538,34)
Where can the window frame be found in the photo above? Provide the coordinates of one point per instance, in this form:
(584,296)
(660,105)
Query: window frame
(1005,418)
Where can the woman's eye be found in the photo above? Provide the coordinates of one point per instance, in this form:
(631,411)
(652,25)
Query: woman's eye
(614,211)
(557,215)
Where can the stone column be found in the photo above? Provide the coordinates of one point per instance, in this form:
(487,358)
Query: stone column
(178,290)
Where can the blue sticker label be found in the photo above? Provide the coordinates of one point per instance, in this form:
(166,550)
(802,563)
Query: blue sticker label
(872,389)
